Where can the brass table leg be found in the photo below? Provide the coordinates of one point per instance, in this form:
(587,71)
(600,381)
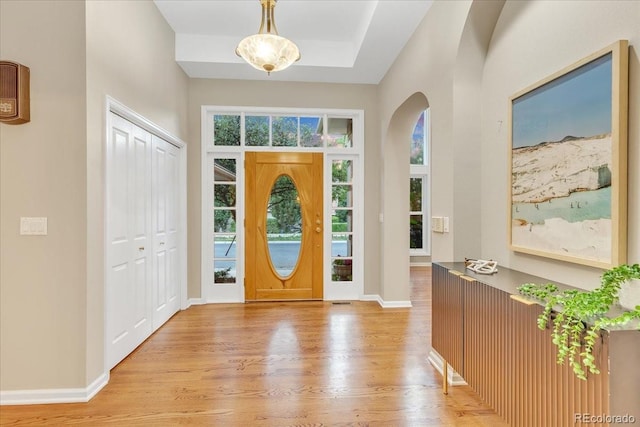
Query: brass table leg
(445,377)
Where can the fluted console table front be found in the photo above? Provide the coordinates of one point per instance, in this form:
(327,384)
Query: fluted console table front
(489,336)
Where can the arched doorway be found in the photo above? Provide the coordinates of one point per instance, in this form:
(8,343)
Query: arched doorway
(395,199)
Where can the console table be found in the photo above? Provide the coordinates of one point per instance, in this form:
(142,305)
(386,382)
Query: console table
(488,334)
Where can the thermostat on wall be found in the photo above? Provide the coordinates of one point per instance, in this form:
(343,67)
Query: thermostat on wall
(14,93)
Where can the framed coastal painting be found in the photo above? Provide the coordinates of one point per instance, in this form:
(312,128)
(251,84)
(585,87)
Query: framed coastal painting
(568,162)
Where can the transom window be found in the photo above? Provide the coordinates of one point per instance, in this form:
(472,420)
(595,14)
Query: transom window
(271,130)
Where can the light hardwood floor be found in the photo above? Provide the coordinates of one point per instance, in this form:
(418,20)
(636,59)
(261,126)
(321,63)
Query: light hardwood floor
(279,364)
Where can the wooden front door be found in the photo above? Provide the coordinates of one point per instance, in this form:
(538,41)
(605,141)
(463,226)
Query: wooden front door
(264,279)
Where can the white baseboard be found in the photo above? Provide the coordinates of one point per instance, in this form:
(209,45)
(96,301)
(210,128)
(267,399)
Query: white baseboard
(383,303)
(438,362)
(60,395)
(371,297)
(419,264)
(386,304)
(194,301)
(396,304)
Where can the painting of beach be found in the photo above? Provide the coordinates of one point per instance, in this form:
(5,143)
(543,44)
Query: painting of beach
(563,167)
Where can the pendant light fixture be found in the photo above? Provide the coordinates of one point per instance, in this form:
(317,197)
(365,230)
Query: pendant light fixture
(267,51)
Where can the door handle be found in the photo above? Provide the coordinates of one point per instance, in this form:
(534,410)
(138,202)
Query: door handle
(141,248)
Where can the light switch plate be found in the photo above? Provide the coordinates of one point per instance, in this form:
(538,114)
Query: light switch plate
(437,224)
(30,226)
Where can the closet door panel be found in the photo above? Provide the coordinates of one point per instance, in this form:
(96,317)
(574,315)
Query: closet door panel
(173,228)
(165,231)
(143,233)
(128,286)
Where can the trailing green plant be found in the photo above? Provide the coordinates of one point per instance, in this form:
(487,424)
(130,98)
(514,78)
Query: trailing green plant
(577,317)
(539,292)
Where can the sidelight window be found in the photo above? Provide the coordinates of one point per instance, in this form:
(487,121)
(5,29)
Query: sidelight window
(225,215)
(342,220)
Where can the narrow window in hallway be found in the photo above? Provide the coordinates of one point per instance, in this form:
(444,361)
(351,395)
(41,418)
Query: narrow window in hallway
(419,194)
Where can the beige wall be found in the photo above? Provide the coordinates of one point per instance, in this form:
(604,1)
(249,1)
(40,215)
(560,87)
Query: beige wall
(130,57)
(52,287)
(294,95)
(394,269)
(427,65)
(42,278)
(469,112)
(521,54)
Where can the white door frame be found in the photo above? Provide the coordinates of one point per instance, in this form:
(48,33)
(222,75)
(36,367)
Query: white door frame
(234,293)
(114,106)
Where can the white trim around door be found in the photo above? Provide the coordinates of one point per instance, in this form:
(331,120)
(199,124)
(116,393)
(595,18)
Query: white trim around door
(338,135)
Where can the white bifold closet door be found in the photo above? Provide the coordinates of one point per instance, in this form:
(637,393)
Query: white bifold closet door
(142,283)
(165,202)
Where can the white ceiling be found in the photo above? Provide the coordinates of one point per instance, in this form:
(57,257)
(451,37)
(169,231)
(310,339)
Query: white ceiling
(340,41)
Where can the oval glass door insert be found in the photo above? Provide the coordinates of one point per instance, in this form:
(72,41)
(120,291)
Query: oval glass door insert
(284,226)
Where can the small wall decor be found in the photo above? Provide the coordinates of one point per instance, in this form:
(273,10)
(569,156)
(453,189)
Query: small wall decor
(14,93)
(568,160)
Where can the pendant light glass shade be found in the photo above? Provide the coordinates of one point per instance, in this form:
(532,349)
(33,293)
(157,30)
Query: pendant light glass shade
(267,51)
